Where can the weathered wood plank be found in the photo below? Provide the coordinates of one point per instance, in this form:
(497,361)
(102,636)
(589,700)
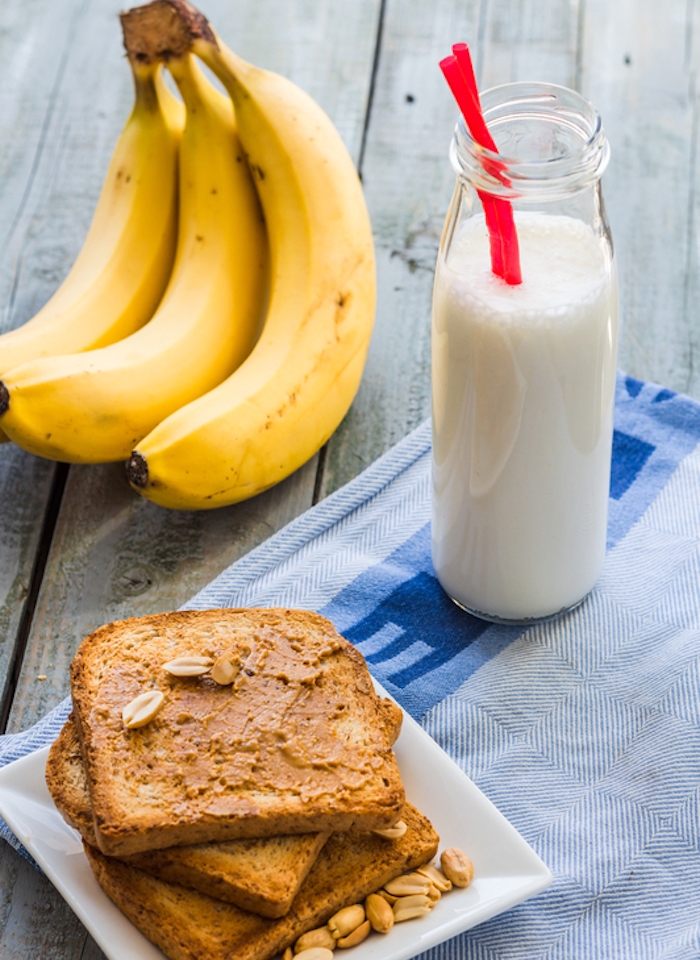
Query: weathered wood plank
(25,485)
(409,181)
(529,40)
(31,67)
(639,66)
(36,921)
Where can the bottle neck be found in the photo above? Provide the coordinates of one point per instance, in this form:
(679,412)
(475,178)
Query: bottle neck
(550,139)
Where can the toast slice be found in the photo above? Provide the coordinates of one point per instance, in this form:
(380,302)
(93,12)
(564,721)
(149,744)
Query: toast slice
(298,743)
(262,875)
(187,925)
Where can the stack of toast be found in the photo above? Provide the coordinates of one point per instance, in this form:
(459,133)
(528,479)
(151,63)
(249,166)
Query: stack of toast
(241,813)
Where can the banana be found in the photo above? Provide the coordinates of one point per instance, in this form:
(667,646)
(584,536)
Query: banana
(282,404)
(96,406)
(123,268)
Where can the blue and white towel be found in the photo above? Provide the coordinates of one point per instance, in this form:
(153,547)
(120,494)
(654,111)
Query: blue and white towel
(585,732)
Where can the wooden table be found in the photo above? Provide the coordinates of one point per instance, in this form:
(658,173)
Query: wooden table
(77,547)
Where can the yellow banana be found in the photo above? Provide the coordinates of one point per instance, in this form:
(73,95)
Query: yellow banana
(123,268)
(283,403)
(96,406)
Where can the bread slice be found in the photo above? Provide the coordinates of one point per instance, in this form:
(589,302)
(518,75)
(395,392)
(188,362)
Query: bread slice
(262,875)
(298,743)
(187,925)
(67,783)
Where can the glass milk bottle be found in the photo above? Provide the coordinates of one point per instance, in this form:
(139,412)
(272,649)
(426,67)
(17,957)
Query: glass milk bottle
(524,376)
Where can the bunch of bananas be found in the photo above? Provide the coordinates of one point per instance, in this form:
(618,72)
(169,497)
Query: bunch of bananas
(214,328)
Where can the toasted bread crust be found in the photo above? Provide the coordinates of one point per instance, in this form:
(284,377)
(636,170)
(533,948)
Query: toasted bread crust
(189,926)
(67,783)
(262,875)
(299,743)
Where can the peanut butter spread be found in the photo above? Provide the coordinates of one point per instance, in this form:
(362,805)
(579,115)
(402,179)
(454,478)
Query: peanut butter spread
(300,723)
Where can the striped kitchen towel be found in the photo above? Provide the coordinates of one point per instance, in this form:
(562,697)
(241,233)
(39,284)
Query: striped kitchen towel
(585,731)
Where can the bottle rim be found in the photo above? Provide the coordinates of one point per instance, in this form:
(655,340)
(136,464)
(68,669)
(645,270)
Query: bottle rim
(578,164)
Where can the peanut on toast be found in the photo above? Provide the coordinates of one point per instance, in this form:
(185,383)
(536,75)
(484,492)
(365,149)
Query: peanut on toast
(298,742)
(187,925)
(262,875)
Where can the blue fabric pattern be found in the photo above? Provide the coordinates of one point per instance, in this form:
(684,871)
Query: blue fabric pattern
(584,731)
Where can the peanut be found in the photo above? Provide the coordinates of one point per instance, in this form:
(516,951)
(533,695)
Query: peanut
(393,833)
(142,709)
(406,908)
(407,884)
(315,953)
(346,920)
(188,666)
(320,937)
(357,935)
(225,671)
(457,867)
(379,913)
(436,877)
(288,954)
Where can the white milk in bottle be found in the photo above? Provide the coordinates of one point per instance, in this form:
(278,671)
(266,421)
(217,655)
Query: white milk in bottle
(523,390)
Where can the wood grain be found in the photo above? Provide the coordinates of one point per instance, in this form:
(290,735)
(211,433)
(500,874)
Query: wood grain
(32,65)
(639,67)
(36,921)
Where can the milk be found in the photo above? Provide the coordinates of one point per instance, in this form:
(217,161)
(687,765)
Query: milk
(523,390)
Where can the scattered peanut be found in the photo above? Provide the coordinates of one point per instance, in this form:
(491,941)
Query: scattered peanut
(225,671)
(346,920)
(406,908)
(142,709)
(315,953)
(436,877)
(392,833)
(357,935)
(379,913)
(320,937)
(457,867)
(188,666)
(407,884)
(403,898)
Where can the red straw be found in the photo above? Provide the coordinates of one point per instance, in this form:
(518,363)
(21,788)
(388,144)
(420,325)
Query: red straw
(505,254)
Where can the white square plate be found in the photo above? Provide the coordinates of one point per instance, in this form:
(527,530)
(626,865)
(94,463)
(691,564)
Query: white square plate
(506,870)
